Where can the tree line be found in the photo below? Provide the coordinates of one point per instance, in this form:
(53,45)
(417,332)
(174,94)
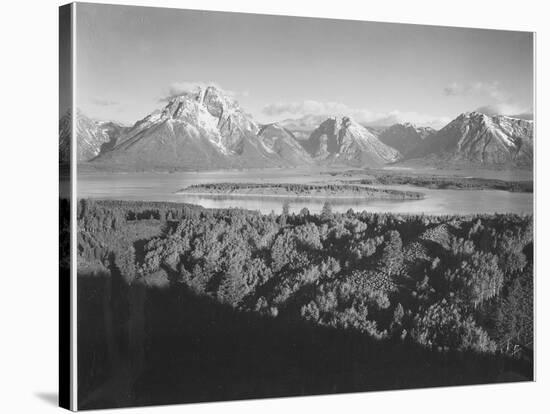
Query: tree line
(455,183)
(302,189)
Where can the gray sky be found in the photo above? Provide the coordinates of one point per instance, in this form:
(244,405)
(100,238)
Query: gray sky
(130,58)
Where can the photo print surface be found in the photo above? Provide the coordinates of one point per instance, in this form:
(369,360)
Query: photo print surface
(272,206)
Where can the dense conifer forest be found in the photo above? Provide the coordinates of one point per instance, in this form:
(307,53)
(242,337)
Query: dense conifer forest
(302,190)
(373,177)
(450,183)
(183,300)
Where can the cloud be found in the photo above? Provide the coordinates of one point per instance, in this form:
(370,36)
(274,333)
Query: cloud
(104,102)
(508,109)
(399,117)
(502,102)
(185,87)
(181,88)
(489,89)
(307,108)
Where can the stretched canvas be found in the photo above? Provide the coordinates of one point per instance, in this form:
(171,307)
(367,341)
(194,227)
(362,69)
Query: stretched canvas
(257,206)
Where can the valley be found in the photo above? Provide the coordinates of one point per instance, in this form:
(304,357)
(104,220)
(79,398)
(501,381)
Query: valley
(203,138)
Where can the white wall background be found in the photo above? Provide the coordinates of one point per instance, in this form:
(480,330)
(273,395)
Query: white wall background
(28,210)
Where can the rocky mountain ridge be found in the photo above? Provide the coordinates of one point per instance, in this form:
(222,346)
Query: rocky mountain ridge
(207,129)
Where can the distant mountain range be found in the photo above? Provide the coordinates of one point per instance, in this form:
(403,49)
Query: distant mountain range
(93,136)
(404,137)
(302,127)
(207,129)
(283,142)
(344,141)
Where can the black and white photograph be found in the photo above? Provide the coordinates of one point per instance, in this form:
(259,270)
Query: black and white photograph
(255,206)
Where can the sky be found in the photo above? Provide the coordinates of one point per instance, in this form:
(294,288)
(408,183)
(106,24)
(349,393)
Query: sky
(131,58)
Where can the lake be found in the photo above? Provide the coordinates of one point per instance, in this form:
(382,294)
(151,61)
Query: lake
(164,187)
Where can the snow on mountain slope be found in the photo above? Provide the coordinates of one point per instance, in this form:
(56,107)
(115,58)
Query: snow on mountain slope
(404,137)
(92,136)
(282,142)
(203,129)
(344,141)
(478,139)
(207,129)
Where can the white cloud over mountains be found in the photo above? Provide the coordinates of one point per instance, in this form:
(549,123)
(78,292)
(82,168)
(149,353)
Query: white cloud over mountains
(490,89)
(313,110)
(181,88)
(300,109)
(307,107)
(507,109)
(501,101)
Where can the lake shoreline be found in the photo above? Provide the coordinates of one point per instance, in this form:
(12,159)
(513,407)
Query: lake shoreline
(168,188)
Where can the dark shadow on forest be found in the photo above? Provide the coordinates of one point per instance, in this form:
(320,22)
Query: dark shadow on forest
(144,346)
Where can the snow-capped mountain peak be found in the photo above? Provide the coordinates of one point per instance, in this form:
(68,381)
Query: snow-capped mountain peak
(474,137)
(92,136)
(343,140)
(203,129)
(207,111)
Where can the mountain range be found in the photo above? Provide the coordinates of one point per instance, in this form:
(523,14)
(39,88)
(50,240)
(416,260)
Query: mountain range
(344,141)
(207,129)
(204,129)
(404,137)
(93,136)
